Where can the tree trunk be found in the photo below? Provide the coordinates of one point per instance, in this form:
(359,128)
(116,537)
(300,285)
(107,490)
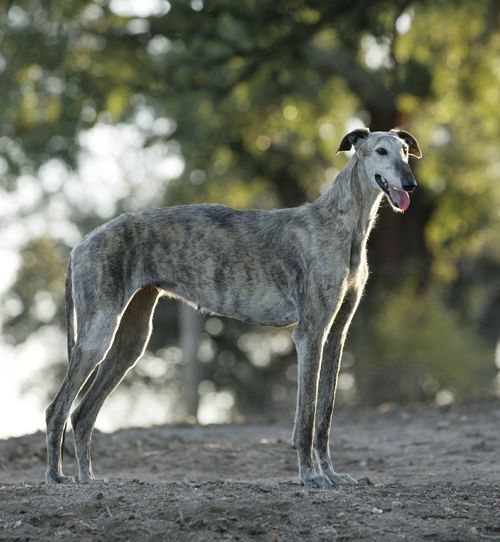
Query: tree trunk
(190,335)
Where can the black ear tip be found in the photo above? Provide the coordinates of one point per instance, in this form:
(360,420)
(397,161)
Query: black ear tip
(351,139)
(414,149)
(344,146)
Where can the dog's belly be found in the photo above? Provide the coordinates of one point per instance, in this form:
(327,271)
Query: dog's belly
(249,286)
(265,306)
(259,310)
(267,316)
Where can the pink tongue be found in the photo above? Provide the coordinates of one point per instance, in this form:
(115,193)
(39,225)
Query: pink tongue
(400,198)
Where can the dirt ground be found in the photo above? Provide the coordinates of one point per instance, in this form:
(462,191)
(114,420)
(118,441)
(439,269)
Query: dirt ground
(425,474)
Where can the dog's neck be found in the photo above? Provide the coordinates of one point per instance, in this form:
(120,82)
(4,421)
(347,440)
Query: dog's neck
(351,200)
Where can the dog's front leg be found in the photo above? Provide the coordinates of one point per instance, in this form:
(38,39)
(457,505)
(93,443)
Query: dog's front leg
(330,366)
(309,345)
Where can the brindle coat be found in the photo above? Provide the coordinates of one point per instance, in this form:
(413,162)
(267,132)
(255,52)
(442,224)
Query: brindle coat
(304,266)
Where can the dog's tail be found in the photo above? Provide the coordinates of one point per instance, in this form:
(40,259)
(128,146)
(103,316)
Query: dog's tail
(70,329)
(70,310)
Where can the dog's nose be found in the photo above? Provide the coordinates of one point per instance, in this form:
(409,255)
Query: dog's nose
(409,186)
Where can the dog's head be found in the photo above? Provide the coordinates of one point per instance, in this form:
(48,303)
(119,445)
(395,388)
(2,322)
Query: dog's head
(384,160)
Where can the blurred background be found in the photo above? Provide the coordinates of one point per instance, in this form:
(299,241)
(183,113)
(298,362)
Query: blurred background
(121,105)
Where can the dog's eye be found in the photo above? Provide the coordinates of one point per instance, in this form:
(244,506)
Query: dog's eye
(382,151)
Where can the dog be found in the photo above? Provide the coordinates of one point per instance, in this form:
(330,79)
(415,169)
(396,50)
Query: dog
(305,266)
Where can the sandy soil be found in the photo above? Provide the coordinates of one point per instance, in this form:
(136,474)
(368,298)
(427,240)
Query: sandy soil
(425,474)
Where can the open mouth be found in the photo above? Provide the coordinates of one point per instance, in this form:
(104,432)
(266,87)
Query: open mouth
(399,198)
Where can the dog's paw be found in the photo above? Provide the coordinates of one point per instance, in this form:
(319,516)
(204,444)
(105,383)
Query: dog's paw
(319,481)
(56,478)
(338,479)
(90,480)
(349,479)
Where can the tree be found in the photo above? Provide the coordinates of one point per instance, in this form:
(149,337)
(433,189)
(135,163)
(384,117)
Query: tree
(255,96)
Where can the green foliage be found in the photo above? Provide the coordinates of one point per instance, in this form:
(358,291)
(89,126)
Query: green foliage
(459,128)
(417,329)
(38,292)
(257,96)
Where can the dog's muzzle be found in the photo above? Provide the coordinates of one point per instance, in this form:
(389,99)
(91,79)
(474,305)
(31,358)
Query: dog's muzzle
(398,198)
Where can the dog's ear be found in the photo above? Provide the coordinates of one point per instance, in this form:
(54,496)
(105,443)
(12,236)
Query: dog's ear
(413,147)
(353,139)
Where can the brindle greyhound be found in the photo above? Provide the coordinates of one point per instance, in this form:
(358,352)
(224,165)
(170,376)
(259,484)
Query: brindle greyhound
(304,266)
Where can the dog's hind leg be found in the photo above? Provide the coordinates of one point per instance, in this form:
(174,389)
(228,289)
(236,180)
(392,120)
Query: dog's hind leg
(94,337)
(128,346)
(332,354)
